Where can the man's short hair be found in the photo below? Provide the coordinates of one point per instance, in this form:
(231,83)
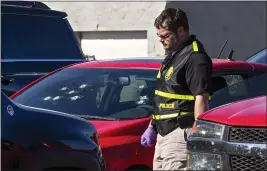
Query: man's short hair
(171,19)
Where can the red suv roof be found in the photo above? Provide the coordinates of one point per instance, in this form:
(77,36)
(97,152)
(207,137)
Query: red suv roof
(155,63)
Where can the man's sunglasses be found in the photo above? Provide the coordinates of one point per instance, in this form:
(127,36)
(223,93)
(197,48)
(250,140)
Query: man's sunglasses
(164,36)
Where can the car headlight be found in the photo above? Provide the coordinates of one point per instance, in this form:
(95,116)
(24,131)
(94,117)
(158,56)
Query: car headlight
(204,129)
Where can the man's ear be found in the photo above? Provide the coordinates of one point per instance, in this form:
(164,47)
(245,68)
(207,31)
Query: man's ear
(180,31)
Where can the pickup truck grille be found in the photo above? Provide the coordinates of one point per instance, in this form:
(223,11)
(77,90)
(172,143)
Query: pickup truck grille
(247,163)
(252,135)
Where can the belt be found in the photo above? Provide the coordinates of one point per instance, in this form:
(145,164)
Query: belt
(168,116)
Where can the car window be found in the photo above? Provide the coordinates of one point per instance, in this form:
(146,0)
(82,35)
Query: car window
(132,91)
(37,37)
(240,90)
(116,93)
(233,80)
(259,57)
(222,81)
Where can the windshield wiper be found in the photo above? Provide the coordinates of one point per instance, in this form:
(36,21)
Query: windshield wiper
(98,118)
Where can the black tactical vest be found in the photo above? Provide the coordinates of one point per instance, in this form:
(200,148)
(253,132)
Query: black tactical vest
(174,102)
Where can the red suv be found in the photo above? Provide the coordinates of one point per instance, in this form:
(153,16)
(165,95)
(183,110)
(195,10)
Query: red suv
(117,97)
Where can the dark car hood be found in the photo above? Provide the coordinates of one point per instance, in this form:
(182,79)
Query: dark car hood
(39,122)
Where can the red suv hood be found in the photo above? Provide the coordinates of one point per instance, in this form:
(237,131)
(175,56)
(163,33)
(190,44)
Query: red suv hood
(249,112)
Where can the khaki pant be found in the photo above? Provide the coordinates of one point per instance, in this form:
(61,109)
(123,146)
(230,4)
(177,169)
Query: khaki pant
(170,150)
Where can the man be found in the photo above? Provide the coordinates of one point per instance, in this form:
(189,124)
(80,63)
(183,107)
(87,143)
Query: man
(182,93)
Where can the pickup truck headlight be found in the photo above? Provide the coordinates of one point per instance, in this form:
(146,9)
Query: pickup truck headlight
(204,129)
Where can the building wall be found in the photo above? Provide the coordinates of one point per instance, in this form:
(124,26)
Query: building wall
(128,18)
(115,44)
(242,23)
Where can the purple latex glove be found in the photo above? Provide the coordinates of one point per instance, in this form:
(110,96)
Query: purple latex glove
(148,138)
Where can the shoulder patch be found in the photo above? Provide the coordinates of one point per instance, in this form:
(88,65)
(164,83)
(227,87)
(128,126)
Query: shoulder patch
(168,74)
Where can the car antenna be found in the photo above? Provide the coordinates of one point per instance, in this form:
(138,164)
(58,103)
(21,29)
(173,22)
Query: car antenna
(222,49)
(230,56)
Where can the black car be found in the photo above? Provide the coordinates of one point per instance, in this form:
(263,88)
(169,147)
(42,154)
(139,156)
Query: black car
(38,139)
(35,40)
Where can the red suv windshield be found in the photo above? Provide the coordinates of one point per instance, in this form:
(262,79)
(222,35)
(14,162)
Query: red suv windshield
(115,93)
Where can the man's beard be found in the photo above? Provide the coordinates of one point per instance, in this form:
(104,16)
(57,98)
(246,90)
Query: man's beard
(174,45)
